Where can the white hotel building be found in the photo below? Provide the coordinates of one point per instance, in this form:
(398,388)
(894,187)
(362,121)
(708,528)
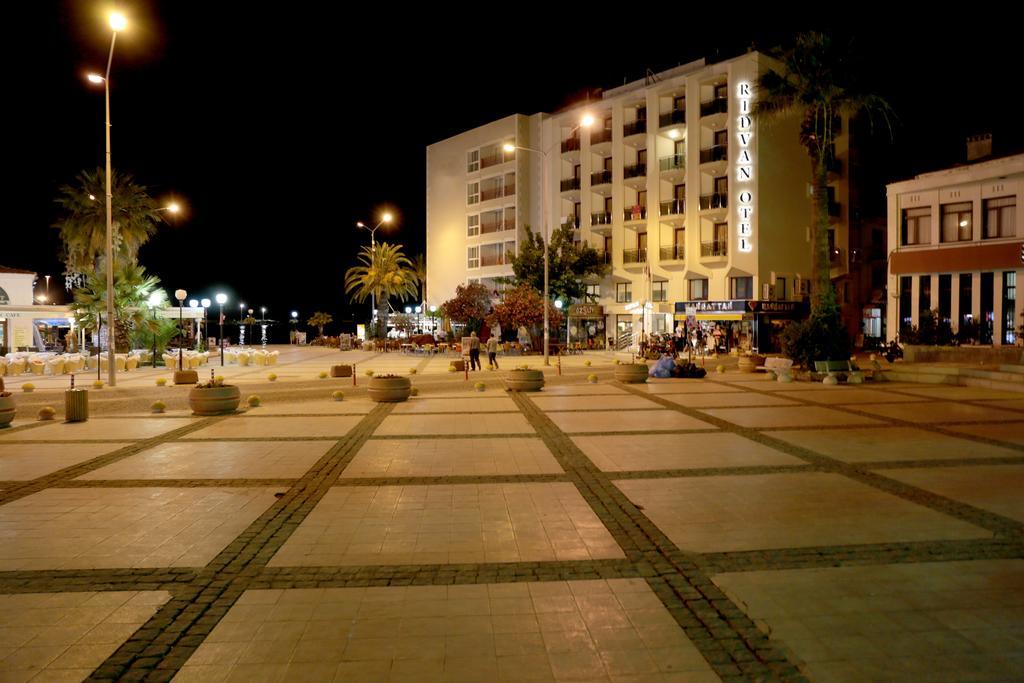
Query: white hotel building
(695,203)
(957,247)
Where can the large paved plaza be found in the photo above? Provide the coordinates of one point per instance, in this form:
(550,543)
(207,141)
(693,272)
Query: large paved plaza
(730,528)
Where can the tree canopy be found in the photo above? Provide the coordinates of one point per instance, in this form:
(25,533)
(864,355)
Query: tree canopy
(469,306)
(523,306)
(569,263)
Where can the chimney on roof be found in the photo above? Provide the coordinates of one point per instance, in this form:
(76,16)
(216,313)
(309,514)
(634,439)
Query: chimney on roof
(979,146)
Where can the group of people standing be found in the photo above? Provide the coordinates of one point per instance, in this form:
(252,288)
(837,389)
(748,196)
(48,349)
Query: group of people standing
(474,352)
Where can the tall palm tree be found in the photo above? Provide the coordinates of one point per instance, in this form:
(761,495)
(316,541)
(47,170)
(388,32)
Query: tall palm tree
(319,320)
(132,287)
(419,266)
(83,226)
(385,272)
(817,80)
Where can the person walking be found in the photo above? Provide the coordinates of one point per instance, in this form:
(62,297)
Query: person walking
(492,353)
(474,352)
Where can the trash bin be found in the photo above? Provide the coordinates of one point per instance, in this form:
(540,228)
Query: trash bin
(76,405)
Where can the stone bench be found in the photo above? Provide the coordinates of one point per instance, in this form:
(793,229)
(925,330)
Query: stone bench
(775,364)
(830,367)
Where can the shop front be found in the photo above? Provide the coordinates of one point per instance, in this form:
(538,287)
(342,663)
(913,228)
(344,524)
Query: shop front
(586,324)
(738,324)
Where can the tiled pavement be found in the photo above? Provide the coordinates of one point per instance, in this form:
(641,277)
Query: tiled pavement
(726,528)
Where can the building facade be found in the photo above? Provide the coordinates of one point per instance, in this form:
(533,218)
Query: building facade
(699,208)
(957,247)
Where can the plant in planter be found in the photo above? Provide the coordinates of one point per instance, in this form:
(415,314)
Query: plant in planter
(451,368)
(368,373)
(720,369)
(98,384)
(592,378)
(214,398)
(6,406)
(389,388)
(28,387)
(46,413)
(524,379)
(157,407)
(271,377)
(253,401)
(479,386)
(586,363)
(631,373)
(322,375)
(338,395)
(414,391)
(161,381)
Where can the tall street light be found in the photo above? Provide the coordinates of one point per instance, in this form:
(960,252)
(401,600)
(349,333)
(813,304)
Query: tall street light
(206,324)
(221,300)
(194,303)
(117,23)
(241,324)
(180,295)
(585,122)
(386,217)
(155,299)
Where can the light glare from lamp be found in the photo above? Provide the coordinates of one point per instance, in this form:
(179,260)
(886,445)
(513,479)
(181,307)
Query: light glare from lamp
(117,21)
(205,303)
(508,147)
(387,217)
(95,78)
(587,121)
(221,298)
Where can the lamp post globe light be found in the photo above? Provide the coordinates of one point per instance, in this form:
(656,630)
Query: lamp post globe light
(385,218)
(241,324)
(117,23)
(194,303)
(221,299)
(206,323)
(180,295)
(585,122)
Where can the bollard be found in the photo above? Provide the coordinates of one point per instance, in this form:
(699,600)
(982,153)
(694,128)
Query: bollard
(559,365)
(465,369)
(76,403)
(353,374)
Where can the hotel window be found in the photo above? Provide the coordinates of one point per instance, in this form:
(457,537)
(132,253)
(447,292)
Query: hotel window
(780,289)
(945,298)
(623,292)
(659,291)
(721,91)
(988,315)
(956,222)
(924,294)
(473,257)
(906,292)
(473,161)
(473,225)
(999,215)
(492,254)
(473,193)
(966,286)
(1009,307)
(917,226)
(592,294)
(741,288)
(699,289)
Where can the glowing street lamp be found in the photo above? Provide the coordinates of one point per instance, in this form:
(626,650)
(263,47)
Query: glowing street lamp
(206,323)
(155,299)
(180,295)
(221,300)
(385,218)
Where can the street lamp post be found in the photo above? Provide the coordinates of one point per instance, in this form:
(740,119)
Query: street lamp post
(385,218)
(241,324)
(585,122)
(154,300)
(248,325)
(263,327)
(206,324)
(294,321)
(117,23)
(221,300)
(194,303)
(180,295)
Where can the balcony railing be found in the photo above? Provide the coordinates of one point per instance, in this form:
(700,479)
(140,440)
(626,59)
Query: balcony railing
(714,153)
(714,248)
(571,144)
(604,256)
(600,135)
(719,105)
(491,160)
(487,227)
(675,162)
(634,255)
(673,117)
(600,219)
(572,222)
(502,260)
(635,213)
(674,207)
(510,189)
(677,252)
(570,184)
(715,200)
(634,171)
(834,209)
(491,193)
(601,178)
(634,128)
(835,257)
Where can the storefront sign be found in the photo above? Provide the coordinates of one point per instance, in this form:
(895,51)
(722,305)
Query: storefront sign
(586,311)
(734,306)
(745,168)
(741,306)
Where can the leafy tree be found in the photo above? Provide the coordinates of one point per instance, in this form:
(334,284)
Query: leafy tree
(385,272)
(818,81)
(524,306)
(319,320)
(822,336)
(469,306)
(83,225)
(132,288)
(569,263)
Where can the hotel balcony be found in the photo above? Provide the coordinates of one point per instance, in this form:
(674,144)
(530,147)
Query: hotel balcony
(835,212)
(510,189)
(603,256)
(714,160)
(714,249)
(672,168)
(492,193)
(716,202)
(634,133)
(601,182)
(496,159)
(571,145)
(634,257)
(673,256)
(719,105)
(503,260)
(570,186)
(673,212)
(572,221)
(601,141)
(635,175)
(635,214)
(835,258)
(672,118)
(488,227)
(601,223)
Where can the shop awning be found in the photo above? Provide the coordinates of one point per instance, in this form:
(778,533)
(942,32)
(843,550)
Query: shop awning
(712,316)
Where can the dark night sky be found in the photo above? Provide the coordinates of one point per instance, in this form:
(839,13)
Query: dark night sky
(280,129)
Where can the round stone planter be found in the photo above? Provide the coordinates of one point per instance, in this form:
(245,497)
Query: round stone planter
(6,410)
(524,380)
(389,389)
(214,400)
(631,373)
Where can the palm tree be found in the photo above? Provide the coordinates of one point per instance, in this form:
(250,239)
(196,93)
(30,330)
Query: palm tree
(817,81)
(385,272)
(83,227)
(319,320)
(419,266)
(132,287)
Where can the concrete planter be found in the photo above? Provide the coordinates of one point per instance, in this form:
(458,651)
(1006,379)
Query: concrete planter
(214,400)
(631,373)
(7,410)
(389,389)
(186,376)
(979,355)
(341,371)
(524,380)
